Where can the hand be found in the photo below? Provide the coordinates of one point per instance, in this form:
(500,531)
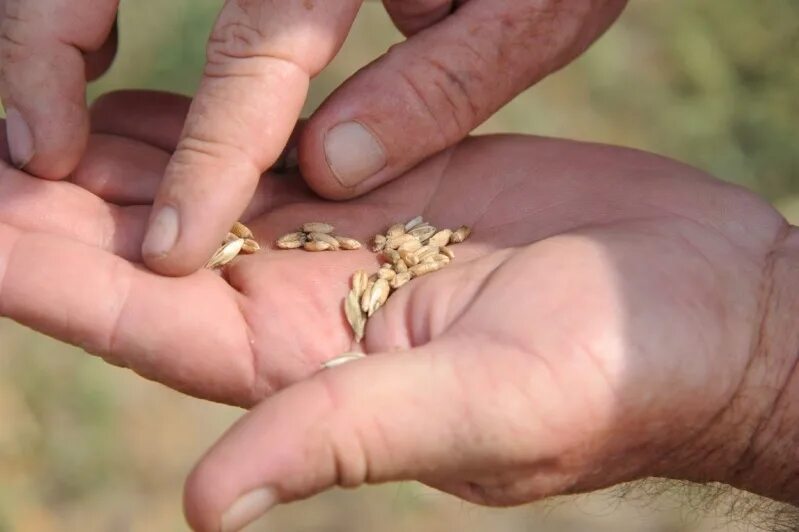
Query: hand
(463,61)
(605,322)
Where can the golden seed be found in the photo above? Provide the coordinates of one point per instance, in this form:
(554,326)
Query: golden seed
(291,241)
(250,246)
(448,252)
(316,245)
(460,234)
(229,238)
(225,254)
(411,245)
(386,273)
(442,258)
(395,230)
(378,243)
(395,242)
(441,238)
(348,243)
(342,359)
(425,252)
(409,258)
(241,231)
(400,279)
(317,227)
(400,266)
(427,267)
(354,314)
(379,296)
(391,256)
(413,223)
(359,281)
(366,297)
(423,232)
(326,238)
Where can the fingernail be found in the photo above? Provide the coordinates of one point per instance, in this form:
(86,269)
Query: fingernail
(353,153)
(20,138)
(162,234)
(247,509)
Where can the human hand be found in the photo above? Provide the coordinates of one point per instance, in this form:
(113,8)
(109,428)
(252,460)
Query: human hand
(463,61)
(606,321)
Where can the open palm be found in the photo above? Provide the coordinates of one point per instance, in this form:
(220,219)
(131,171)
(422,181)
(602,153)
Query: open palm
(600,290)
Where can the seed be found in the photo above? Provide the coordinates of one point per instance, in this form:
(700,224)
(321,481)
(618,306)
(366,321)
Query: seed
(354,314)
(395,230)
(442,258)
(317,227)
(378,243)
(441,238)
(460,235)
(400,266)
(342,359)
(413,223)
(324,237)
(315,245)
(400,279)
(359,281)
(225,254)
(426,252)
(411,245)
(241,230)
(423,232)
(366,297)
(378,297)
(448,252)
(395,242)
(427,267)
(386,273)
(291,241)
(229,238)
(250,246)
(409,258)
(348,243)
(391,256)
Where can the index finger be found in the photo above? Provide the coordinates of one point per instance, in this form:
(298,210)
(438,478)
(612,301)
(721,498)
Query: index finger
(261,56)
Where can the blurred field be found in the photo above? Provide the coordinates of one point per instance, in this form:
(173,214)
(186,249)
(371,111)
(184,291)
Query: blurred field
(84,446)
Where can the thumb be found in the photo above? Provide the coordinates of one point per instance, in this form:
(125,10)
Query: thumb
(261,56)
(386,417)
(429,92)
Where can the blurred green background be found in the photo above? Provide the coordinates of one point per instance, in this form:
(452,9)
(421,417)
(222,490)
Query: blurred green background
(85,446)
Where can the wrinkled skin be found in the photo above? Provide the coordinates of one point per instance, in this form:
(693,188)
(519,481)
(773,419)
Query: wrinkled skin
(596,328)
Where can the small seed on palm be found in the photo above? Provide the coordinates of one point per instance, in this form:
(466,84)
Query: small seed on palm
(378,297)
(317,227)
(460,234)
(413,223)
(291,241)
(425,268)
(400,279)
(441,238)
(225,254)
(241,231)
(395,242)
(366,297)
(316,245)
(409,258)
(386,273)
(348,243)
(340,360)
(426,252)
(423,232)
(411,245)
(395,230)
(354,314)
(326,238)
(250,246)
(378,243)
(359,281)
(448,252)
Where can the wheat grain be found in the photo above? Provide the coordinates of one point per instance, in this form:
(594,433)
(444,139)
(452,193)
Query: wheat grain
(317,227)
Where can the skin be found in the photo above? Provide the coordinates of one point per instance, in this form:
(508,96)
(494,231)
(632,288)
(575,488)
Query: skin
(615,315)
(462,61)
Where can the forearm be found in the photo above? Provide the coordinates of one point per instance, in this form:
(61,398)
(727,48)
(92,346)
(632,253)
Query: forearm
(769,461)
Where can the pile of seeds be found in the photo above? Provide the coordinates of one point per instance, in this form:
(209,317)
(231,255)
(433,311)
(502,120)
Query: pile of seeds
(316,236)
(239,240)
(409,250)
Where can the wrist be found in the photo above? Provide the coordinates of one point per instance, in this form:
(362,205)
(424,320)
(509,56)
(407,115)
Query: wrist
(767,461)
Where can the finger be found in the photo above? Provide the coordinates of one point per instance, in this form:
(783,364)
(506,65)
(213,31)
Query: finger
(129,316)
(412,16)
(387,417)
(99,61)
(158,116)
(121,170)
(445,80)
(43,78)
(260,59)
